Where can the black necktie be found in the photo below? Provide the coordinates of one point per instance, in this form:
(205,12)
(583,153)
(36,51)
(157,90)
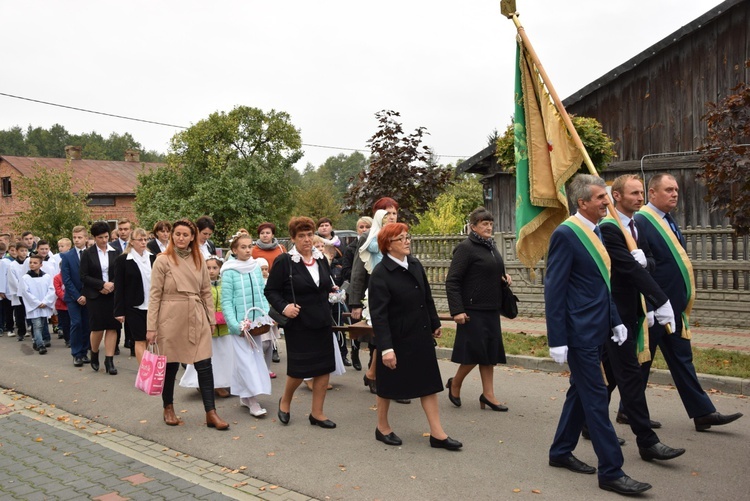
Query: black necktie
(631,225)
(674,227)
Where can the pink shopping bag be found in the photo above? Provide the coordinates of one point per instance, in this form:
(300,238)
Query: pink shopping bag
(151,372)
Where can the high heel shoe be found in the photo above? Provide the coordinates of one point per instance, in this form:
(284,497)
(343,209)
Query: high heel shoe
(454,400)
(283,416)
(495,407)
(323,423)
(95,361)
(214,421)
(169,416)
(371,383)
(109,366)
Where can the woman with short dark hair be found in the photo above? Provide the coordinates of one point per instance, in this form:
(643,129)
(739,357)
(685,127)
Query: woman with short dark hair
(97,277)
(474,288)
(298,287)
(267,246)
(161,237)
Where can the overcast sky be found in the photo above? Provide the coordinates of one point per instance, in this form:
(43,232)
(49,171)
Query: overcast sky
(446,65)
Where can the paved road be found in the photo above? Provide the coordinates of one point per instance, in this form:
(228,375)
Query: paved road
(102,420)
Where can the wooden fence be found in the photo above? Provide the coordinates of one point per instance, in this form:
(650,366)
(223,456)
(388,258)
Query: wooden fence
(720,259)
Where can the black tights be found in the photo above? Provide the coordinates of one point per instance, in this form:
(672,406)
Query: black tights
(205,382)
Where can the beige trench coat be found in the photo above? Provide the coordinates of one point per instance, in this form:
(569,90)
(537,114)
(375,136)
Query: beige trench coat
(181,310)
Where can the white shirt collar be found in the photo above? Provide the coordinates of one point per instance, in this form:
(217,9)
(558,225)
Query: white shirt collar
(585,221)
(625,220)
(657,210)
(404,264)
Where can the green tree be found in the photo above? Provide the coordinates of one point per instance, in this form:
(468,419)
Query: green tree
(726,157)
(450,210)
(235,167)
(598,145)
(54,208)
(12,142)
(401,167)
(317,201)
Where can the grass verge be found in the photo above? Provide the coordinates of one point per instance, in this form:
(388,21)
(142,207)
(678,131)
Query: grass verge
(706,361)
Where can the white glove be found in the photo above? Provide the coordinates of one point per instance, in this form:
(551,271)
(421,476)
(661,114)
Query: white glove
(639,256)
(664,314)
(619,334)
(559,354)
(650,318)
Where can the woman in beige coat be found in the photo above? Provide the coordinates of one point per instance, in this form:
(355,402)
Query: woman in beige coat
(181,317)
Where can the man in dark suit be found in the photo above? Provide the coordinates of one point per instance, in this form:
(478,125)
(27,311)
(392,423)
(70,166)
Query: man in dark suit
(80,342)
(674,274)
(580,318)
(630,279)
(124,227)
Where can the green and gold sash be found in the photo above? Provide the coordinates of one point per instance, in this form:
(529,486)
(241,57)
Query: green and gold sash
(642,342)
(680,257)
(594,246)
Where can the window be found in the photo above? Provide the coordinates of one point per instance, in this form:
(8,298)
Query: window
(96,201)
(7,191)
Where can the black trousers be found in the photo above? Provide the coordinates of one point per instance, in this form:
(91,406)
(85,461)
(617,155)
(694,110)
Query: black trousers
(205,383)
(624,372)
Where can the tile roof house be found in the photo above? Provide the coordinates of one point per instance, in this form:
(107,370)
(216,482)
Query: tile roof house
(112,183)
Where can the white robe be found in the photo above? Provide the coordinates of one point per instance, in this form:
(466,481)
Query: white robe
(36,291)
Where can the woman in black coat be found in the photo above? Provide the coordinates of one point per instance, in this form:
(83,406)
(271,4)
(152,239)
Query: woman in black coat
(97,277)
(298,287)
(405,322)
(132,282)
(474,289)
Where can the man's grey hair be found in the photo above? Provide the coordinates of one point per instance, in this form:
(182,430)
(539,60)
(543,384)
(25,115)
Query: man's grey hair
(580,187)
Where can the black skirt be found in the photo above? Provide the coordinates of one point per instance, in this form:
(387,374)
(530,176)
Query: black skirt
(136,321)
(309,352)
(480,340)
(101,313)
(416,374)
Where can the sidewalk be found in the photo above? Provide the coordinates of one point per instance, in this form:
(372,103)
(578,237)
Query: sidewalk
(49,454)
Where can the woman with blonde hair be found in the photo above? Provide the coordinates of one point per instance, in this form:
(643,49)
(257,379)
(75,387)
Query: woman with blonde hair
(132,286)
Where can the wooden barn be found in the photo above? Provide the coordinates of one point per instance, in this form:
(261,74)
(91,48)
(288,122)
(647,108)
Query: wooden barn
(651,106)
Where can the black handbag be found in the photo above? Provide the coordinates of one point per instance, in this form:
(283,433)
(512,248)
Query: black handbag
(508,302)
(276,315)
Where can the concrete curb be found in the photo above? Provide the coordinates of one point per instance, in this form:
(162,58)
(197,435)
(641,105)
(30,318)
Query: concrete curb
(724,384)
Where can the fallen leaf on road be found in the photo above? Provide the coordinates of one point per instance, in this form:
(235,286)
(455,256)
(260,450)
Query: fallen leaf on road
(235,438)
(413,477)
(426,434)
(241,484)
(516,490)
(39,439)
(143,421)
(273,487)
(243,468)
(271,454)
(536,491)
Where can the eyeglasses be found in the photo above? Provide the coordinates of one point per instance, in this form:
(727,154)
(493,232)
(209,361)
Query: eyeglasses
(402,238)
(140,239)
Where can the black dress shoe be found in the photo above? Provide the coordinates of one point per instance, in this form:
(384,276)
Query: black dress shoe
(715,419)
(117,350)
(78,362)
(323,423)
(454,400)
(573,464)
(85,359)
(659,451)
(283,416)
(371,383)
(624,485)
(355,360)
(390,439)
(347,363)
(447,443)
(585,434)
(622,418)
(402,400)
(47,344)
